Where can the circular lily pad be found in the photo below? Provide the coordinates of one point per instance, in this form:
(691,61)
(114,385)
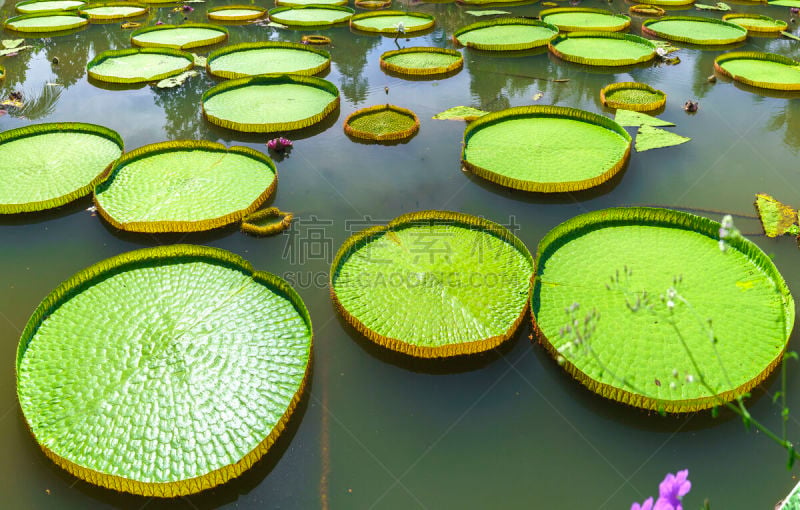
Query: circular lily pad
(163,371)
(113,10)
(422,61)
(184,186)
(388,22)
(757,23)
(182,37)
(47,165)
(311,15)
(296,3)
(139,65)
(250,59)
(382,123)
(639,97)
(667,3)
(235,12)
(45,22)
(506,34)
(647,10)
(49,5)
(433,284)
(633,336)
(692,30)
(765,70)
(260,104)
(545,148)
(602,48)
(572,19)
(373,4)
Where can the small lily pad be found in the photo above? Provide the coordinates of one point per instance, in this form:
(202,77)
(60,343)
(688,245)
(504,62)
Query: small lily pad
(719,6)
(488,12)
(176,81)
(650,137)
(12,43)
(776,218)
(629,118)
(467,113)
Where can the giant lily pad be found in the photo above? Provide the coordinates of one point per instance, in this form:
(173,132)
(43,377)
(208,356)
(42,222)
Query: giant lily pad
(776,218)
(311,15)
(46,165)
(185,186)
(296,3)
(163,371)
(139,65)
(765,70)
(422,61)
(182,37)
(235,12)
(250,59)
(392,22)
(46,22)
(756,23)
(433,284)
(506,34)
(260,103)
(545,148)
(693,30)
(730,308)
(602,48)
(49,5)
(667,3)
(105,11)
(584,18)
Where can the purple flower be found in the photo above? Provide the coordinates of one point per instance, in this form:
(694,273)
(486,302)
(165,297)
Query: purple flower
(159,22)
(673,489)
(647,505)
(187,8)
(794,11)
(279,144)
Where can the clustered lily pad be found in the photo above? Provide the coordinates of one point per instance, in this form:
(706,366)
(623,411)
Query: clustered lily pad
(506,34)
(658,271)
(392,22)
(249,59)
(433,284)
(311,15)
(545,148)
(188,395)
(43,166)
(182,37)
(46,22)
(764,70)
(185,186)
(422,61)
(258,104)
(694,30)
(382,123)
(635,96)
(235,12)
(139,65)
(573,19)
(602,48)
(107,11)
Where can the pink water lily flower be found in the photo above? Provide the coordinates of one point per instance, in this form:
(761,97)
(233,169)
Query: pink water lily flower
(279,144)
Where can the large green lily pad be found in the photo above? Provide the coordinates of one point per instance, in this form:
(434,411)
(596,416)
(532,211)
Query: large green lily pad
(631,350)
(584,18)
(185,186)
(45,22)
(47,165)
(268,102)
(765,70)
(163,371)
(181,37)
(756,23)
(105,11)
(433,284)
(694,30)
(250,59)
(391,22)
(545,148)
(138,65)
(235,12)
(311,15)
(506,34)
(603,48)
(422,61)
(49,5)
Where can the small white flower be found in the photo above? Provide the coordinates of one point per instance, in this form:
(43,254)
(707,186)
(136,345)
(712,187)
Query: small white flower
(689,378)
(400,28)
(672,385)
(722,245)
(674,372)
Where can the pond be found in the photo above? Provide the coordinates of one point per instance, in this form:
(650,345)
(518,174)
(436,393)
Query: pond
(507,429)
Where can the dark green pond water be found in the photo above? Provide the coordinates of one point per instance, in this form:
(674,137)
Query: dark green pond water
(505,430)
